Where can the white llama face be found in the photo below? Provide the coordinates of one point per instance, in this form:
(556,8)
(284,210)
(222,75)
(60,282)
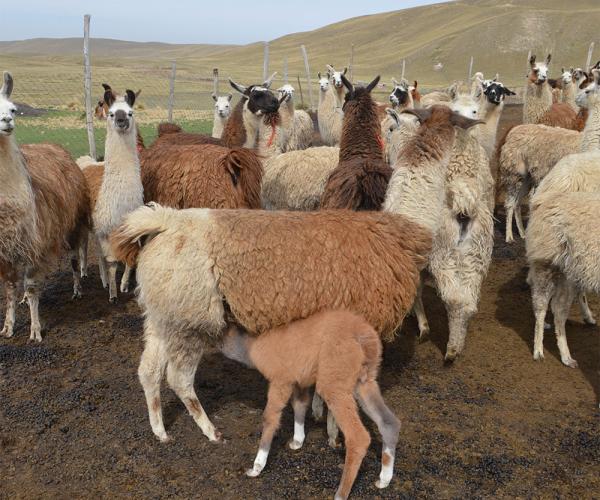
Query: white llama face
(567,77)
(336,76)
(323,83)
(578,75)
(588,96)
(223,105)
(286,92)
(120,116)
(7,109)
(466,106)
(539,70)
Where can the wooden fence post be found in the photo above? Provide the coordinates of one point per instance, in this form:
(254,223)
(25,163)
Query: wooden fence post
(403,69)
(266,62)
(172,91)
(301,95)
(87,86)
(589,57)
(216,81)
(351,68)
(307,69)
(470,70)
(285,70)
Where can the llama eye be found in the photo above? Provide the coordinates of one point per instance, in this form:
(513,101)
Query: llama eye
(112,115)
(130,114)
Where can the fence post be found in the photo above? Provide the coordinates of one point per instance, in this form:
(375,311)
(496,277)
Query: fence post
(216,81)
(528,58)
(172,91)
(285,70)
(403,69)
(470,70)
(306,67)
(351,68)
(266,62)
(301,95)
(589,57)
(87,85)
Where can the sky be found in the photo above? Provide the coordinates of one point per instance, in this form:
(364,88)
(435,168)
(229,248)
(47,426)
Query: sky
(182,21)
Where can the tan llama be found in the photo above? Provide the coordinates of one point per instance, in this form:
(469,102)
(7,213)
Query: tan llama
(340,353)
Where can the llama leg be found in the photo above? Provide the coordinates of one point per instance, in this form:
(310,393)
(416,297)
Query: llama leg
(182,363)
(561,304)
(519,220)
(125,279)
(11,305)
(356,438)
(420,312)
(112,281)
(151,372)
(279,395)
(509,209)
(82,248)
(32,293)
(76,275)
(332,430)
(102,270)
(512,203)
(371,401)
(542,289)
(588,317)
(317,407)
(300,400)
(458,322)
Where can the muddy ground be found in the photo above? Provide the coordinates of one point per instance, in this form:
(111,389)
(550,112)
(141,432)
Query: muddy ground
(73,419)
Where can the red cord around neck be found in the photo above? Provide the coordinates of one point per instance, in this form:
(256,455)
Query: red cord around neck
(272,137)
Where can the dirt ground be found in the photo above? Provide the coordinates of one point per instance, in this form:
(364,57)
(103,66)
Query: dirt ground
(73,419)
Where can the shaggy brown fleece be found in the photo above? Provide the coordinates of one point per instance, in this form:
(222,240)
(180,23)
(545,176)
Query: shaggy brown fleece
(360,180)
(93,177)
(201,176)
(561,115)
(61,198)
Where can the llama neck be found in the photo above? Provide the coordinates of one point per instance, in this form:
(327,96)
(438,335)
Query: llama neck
(218,125)
(417,189)
(361,132)
(538,100)
(322,96)
(237,346)
(252,125)
(486,132)
(121,150)
(569,94)
(270,139)
(590,138)
(18,223)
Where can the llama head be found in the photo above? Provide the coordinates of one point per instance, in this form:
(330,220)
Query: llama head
(466,105)
(440,115)
(120,111)
(285,92)
(591,94)
(496,92)
(223,104)
(336,76)
(7,109)
(356,95)
(578,75)
(323,82)
(538,72)
(260,100)
(566,76)
(101,109)
(399,95)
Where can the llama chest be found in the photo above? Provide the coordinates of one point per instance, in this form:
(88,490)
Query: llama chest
(18,231)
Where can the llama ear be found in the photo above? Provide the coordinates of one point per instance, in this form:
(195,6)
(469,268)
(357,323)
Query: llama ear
(508,91)
(106,86)
(415,84)
(330,68)
(453,90)
(548,59)
(214,96)
(267,83)
(109,98)
(236,86)
(562,70)
(596,76)
(460,121)
(319,75)
(373,84)
(532,60)
(130,97)
(7,85)
(347,84)
(423,114)
(395,82)
(229,97)
(345,71)
(137,94)
(393,114)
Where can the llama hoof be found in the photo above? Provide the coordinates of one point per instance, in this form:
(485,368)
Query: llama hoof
(381,484)
(538,356)
(333,443)
(83,275)
(35,336)
(112,300)
(164,438)
(254,472)
(450,357)
(76,295)
(424,334)
(217,438)
(570,362)
(295,445)
(547,326)
(124,288)
(589,321)
(7,332)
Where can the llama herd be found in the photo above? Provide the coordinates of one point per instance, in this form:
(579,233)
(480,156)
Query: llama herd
(295,247)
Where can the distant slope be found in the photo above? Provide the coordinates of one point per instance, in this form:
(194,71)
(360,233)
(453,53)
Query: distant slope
(497,34)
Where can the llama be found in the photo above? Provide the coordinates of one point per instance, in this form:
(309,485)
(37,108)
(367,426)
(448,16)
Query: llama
(360,180)
(116,187)
(538,107)
(43,211)
(399,131)
(569,88)
(462,246)
(221,114)
(490,110)
(530,151)
(340,353)
(297,124)
(330,113)
(402,95)
(272,268)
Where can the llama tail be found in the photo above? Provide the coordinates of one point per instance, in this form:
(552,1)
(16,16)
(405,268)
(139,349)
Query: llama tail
(145,222)
(496,161)
(245,169)
(168,128)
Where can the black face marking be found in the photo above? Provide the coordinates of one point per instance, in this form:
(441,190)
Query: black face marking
(121,119)
(399,96)
(261,100)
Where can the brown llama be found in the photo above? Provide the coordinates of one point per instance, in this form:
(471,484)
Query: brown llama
(360,180)
(43,212)
(340,353)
